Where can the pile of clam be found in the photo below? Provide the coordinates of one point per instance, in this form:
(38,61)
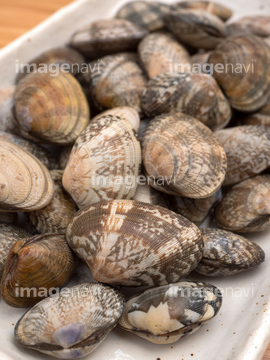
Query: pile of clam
(138,151)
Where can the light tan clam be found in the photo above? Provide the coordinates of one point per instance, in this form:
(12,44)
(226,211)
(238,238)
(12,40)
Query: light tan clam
(165,314)
(105,37)
(196,28)
(160,52)
(209,6)
(194,94)
(132,243)
(245,207)
(73,323)
(195,210)
(55,217)
(7,120)
(146,193)
(118,81)
(34,267)
(247,149)
(104,162)
(148,15)
(9,235)
(241,66)
(26,184)
(226,253)
(183,157)
(250,25)
(51,109)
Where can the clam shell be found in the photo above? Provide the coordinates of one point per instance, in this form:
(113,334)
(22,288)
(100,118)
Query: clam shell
(183,157)
(133,243)
(241,66)
(209,6)
(226,253)
(247,149)
(194,94)
(165,314)
(160,52)
(51,109)
(34,267)
(250,25)
(104,162)
(26,184)
(196,28)
(73,323)
(245,207)
(105,37)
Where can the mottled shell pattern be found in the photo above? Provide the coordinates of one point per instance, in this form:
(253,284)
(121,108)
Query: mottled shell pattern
(183,157)
(146,193)
(165,314)
(117,81)
(194,94)
(73,323)
(51,109)
(7,120)
(209,6)
(248,151)
(226,253)
(130,243)
(160,53)
(104,163)
(254,25)
(247,86)
(148,15)
(104,37)
(196,28)
(245,207)
(38,264)
(32,187)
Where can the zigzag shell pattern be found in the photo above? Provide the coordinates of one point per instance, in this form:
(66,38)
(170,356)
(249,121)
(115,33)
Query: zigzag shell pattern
(133,243)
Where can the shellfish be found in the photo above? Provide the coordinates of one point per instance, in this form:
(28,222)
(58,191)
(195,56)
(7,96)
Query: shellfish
(7,120)
(209,6)
(253,25)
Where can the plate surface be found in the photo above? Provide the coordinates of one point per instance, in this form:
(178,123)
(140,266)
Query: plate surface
(241,331)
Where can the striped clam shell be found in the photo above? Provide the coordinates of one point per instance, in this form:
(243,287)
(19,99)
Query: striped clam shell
(245,207)
(209,6)
(165,314)
(183,157)
(197,95)
(104,162)
(73,323)
(132,243)
(226,253)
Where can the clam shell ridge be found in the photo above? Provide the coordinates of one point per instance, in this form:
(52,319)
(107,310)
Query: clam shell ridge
(165,314)
(132,243)
(226,253)
(183,157)
(104,162)
(73,323)
(25,183)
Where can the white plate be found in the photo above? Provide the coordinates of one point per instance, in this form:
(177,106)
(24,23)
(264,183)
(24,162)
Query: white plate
(241,331)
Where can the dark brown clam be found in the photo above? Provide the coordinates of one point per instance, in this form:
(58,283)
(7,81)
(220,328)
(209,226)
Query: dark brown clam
(209,6)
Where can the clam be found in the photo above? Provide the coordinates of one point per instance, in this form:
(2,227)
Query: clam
(73,323)
(132,243)
(245,207)
(148,15)
(104,162)
(38,151)
(167,313)
(183,157)
(64,156)
(7,120)
(194,94)
(247,149)
(197,28)
(9,235)
(55,217)
(146,193)
(196,210)
(63,57)
(209,6)
(51,109)
(26,184)
(262,117)
(118,81)
(160,52)
(34,268)
(226,253)
(105,37)
(250,25)
(241,66)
